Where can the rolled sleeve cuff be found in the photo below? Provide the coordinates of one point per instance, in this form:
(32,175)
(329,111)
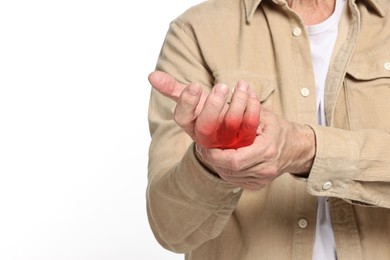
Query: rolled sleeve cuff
(335,163)
(202,185)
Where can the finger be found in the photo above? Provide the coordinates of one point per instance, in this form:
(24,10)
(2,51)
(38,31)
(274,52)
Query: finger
(235,160)
(251,120)
(223,159)
(166,84)
(187,103)
(208,119)
(237,107)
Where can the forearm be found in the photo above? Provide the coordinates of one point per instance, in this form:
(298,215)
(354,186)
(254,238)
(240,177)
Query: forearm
(187,205)
(302,139)
(352,165)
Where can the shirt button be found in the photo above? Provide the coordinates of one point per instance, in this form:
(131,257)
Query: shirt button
(297,31)
(327,185)
(303,223)
(386,65)
(305,92)
(236,190)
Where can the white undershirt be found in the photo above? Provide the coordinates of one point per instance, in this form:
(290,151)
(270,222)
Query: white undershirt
(322,40)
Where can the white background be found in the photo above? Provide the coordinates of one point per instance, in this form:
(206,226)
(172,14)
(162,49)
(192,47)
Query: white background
(73,127)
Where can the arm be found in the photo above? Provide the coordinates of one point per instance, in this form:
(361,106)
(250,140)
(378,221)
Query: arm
(352,165)
(187,204)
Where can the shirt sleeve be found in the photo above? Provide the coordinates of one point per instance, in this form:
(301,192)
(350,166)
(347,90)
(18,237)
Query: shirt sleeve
(352,165)
(187,205)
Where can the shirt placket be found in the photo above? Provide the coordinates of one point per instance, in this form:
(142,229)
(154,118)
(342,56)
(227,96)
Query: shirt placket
(298,99)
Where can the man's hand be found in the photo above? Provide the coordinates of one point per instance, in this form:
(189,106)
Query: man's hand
(262,150)
(209,120)
(281,146)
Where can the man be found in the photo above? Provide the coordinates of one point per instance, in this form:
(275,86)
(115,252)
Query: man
(295,162)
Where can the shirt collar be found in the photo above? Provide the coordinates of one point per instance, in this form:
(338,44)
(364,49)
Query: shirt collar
(251,6)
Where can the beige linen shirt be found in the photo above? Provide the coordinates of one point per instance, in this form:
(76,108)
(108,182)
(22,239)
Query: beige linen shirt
(265,42)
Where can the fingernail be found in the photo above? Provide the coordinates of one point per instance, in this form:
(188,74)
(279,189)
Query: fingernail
(221,90)
(253,94)
(193,89)
(242,86)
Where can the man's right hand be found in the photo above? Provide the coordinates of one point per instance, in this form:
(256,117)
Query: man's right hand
(208,119)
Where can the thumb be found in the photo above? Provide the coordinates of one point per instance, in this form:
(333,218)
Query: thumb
(166,84)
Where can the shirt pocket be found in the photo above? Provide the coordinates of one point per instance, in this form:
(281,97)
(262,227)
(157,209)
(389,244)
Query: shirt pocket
(263,86)
(367,86)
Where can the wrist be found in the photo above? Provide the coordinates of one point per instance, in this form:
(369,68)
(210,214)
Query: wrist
(304,140)
(205,165)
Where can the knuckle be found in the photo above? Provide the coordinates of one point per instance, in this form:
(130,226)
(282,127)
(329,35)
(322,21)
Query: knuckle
(270,171)
(252,121)
(271,152)
(235,164)
(231,123)
(240,96)
(188,101)
(203,130)
(214,104)
(179,119)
